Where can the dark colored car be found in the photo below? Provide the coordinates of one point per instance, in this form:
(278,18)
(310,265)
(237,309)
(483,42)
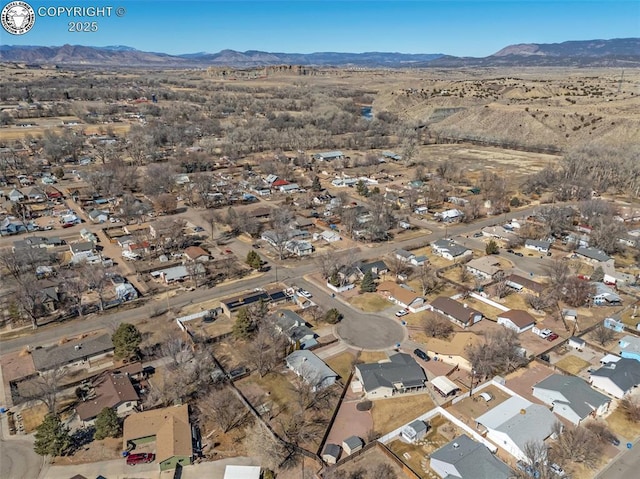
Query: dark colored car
(511,251)
(519,254)
(142,458)
(615,441)
(545,357)
(421,354)
(477,235)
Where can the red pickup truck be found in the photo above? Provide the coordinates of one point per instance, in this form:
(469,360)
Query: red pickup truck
(143,458)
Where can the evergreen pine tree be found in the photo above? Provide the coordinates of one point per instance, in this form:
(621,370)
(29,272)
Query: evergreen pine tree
(52,437)
(107,424)
(316,186)
(367,285)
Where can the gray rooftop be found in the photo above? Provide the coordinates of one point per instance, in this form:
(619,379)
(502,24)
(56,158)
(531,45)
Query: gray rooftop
(310,367)
(82,246)
(332,450)
(352,442)
(630,344)
(454,248)
(593,253)
(401,368)
(472,459)
(61,354)
(624,373)
(535,424)
(538,243)
(579,396)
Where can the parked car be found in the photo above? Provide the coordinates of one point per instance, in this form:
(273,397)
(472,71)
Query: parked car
(401,313)
(545,357)
(519,254)
(552,337)
(304,292)
(255,246)
(615,441)
(421,354)
(478,235)
(528,470)
(142,458)
(557,470)
(198,229)
(511,251)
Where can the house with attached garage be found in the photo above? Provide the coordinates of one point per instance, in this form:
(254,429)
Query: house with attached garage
(169,427)
(460,314)
(593,255)
(401,296)
(486,267)
(113,390)
(329,155)
(617,378)
(295,328)
(516,319)
(524,285)
(73,353)
(464,458)
(399,374)
(515,423)
(571,397)
(604,295)
(99,216)
(450,250)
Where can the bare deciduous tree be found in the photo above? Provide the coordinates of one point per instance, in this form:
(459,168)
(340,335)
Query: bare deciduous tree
(222,406)
(602,334)
(437,327)
(578,445)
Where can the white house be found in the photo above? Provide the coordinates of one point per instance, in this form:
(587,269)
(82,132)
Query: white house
(516,319)
(414,431)
(571,397)
(516,422)
(617,378)
(311,368)
(401,296)
(485,267)
(450,250)
(299,248)
(537,245)
(464,458)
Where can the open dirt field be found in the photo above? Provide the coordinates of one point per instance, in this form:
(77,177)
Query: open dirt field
(572,364)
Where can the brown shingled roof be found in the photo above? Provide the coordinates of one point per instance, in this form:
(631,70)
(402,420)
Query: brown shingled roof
(520,318)
(112,390)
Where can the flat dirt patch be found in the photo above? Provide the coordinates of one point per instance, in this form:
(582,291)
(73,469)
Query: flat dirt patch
(370,302)
(104,450)
(389,414)
(475,406)
(572,364)
(371,356)
(368,464)
(342,364)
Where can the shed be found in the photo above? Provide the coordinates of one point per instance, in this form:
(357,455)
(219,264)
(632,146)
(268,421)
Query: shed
(242,472)
(576,343)
(352,444)
(414,431)
(331,453)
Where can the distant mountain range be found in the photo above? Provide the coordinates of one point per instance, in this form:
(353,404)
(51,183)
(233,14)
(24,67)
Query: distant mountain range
(615,52)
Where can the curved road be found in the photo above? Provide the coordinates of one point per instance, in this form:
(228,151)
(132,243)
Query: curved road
(358,329)
(18,459)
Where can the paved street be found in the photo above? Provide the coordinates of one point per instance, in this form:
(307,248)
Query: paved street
(623,466)
(18,461)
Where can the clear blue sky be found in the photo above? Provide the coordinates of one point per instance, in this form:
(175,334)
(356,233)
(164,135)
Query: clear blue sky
(463,28)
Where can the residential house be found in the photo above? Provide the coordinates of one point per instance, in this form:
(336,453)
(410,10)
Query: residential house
(196,253)
(464,458)
(99,216)
(329,155)
(295,328)
(404,255)
(593,255)
(450,250)
(312,369)
(605,295)
(571,397)
(75,352)
(500,233)
(538,245)
(569,314)
(401,296)
(449,216)
(15,195)
(352,444)
(49,297)
(524,285)
(11,226)
(419,260)
(516,422)
(299,248)
(177,273)
(231,305)
(169,427)
(125,292)
(630,347)
(486,267)
(84,251)
(35,194)
(516,319)
(414,431)
(400,374)
(460,314)
(376,268)
(617,378)
(113,390)
(289,188)
(330,236)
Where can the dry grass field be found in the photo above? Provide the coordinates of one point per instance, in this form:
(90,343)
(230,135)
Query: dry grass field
(32,417)
(342,364)
(389,414)
(370,302)
(572,364)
